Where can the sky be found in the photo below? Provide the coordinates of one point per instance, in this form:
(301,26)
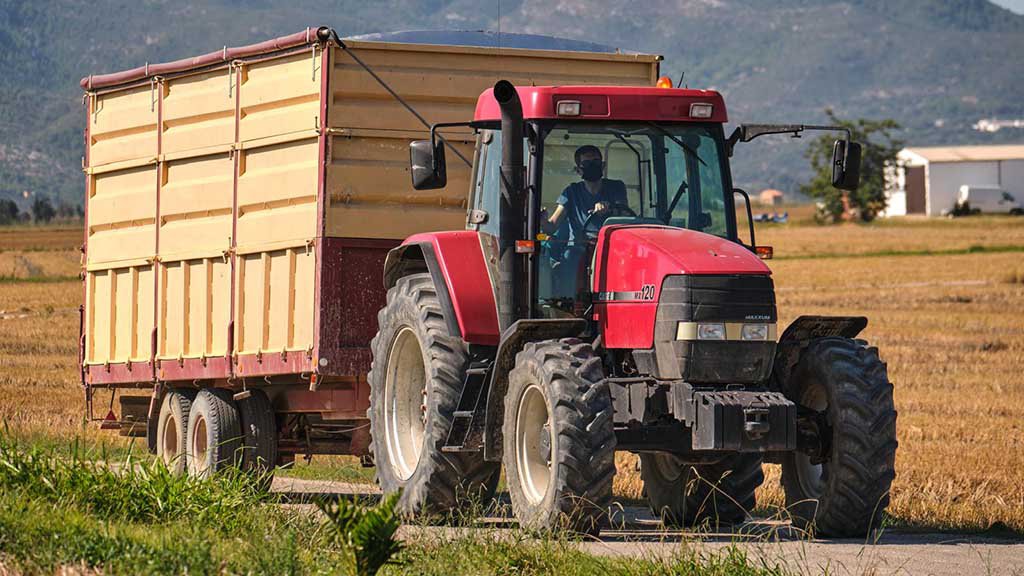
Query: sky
(1015,5)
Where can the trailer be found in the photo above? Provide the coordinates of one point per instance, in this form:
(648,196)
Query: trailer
(239,209)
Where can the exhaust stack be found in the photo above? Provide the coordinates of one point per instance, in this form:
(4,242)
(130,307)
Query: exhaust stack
(513,219)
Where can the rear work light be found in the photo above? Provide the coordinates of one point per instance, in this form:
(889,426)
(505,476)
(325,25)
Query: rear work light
(701,110)
(569,108)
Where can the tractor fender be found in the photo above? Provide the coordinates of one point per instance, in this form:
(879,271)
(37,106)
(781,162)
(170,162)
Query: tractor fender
(512,341)
(462,275)
(802,331)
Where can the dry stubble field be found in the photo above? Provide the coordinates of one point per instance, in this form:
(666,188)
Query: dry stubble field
(945,301)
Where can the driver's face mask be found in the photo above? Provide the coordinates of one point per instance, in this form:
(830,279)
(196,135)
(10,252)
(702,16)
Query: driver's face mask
(591,170)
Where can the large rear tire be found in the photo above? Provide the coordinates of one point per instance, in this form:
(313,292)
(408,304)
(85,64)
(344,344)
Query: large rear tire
(559,439)
(716,494)
(172,429)
(214,433)
(847,493)
(416,379)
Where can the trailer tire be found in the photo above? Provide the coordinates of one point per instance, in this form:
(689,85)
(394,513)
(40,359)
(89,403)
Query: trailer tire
(416,379)
(847,494)
(214,433)
(172,429)
(259,436)
(716,494)
(559,438)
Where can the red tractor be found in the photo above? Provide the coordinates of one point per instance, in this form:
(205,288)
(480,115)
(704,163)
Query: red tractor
(559,328)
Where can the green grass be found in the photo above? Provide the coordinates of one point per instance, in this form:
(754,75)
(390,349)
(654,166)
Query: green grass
(67,509)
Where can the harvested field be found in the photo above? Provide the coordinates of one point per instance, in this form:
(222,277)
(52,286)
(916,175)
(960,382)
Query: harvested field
(950,325)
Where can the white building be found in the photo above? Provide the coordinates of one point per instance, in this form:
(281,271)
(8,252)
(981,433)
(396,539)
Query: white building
(927,180)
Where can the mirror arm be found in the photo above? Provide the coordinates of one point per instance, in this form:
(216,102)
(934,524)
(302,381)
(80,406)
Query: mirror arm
(750,216)
(434,136)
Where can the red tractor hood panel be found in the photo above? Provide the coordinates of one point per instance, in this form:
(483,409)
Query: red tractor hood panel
(632,262)
(656,251)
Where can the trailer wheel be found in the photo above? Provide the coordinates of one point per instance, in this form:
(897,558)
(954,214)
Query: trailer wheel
(214,433)
(415,381)
(684,494)
(172,429)
(559,440)
(847,494)
(259,435)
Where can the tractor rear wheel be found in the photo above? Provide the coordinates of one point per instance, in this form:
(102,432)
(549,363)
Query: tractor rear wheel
(172,429)
(847,493)
(416,379)
(559,440)
(687,494)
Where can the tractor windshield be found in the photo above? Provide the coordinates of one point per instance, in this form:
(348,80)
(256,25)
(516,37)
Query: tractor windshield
(666,174)
(599,174)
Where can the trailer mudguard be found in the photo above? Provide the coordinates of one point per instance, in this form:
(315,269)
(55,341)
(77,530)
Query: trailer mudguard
(463,267)
(806,328)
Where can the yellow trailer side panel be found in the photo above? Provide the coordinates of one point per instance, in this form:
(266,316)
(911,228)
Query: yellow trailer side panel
(119,314)
(371,196)
(443,82)
(198,111)
(274,303)
(122,125)
(195,308)
(280,96)
(277,190)
(195,206)
(122,214)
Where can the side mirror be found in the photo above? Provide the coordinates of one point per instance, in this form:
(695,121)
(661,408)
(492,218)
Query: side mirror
(845,165)
(427,165)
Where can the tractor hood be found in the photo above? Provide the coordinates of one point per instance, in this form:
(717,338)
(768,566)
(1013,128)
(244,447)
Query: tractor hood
(631,264)
(631,255)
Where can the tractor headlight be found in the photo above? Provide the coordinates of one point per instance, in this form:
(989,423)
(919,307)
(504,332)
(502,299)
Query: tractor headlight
(710,331)
(754,332)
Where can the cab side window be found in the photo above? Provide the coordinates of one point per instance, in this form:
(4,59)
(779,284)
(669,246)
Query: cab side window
(487,183)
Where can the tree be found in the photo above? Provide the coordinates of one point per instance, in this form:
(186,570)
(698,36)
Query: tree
(42,209)
(879,147)
(8,211)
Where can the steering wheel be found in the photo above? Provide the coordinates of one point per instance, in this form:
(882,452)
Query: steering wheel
(596,219)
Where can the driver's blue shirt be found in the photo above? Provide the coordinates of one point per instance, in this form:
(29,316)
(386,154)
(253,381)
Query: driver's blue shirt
(578,203)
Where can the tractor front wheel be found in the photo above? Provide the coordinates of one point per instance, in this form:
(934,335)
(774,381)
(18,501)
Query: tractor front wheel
(845,492)
(559,440)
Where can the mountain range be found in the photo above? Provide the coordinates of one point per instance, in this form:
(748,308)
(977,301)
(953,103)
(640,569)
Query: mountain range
(937,67)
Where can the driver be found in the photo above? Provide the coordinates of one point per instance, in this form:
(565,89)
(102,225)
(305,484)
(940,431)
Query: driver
(592,195)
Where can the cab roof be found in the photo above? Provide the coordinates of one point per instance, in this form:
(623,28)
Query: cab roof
(607,103)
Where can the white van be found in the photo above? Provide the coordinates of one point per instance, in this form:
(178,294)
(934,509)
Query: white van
(986,200)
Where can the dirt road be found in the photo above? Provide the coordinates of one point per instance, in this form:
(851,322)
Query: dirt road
(637,533)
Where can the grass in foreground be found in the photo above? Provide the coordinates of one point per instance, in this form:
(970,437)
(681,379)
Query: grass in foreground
(72,511)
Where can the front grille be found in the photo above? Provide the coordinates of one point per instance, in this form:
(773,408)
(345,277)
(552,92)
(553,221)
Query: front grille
(722,298)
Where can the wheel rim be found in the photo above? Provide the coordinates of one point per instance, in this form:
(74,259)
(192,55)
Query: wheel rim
(405,391)
(534,444)
(812,477)
(200,446)
(169,441)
